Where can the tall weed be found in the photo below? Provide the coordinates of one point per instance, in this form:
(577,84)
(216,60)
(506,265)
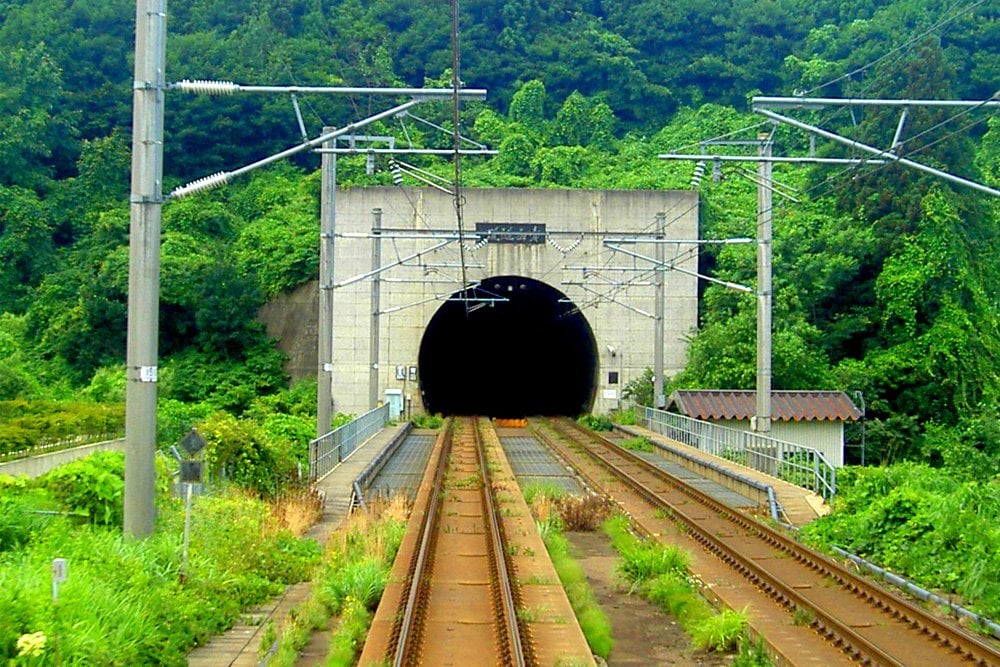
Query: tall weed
(720,632)
(125,601)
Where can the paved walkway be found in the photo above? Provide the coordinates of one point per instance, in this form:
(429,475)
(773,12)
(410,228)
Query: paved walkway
(799,505)
(240,645)
(336,487)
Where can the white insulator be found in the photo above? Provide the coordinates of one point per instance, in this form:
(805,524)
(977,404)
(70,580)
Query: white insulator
(397,172)
(552,242)
(202,87)
(200,185)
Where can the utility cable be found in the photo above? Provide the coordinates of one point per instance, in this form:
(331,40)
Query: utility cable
(944,21)
(458,198)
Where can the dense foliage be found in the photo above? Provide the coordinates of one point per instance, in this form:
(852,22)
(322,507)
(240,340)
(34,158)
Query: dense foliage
(941,530)
(885,279)
(128,601)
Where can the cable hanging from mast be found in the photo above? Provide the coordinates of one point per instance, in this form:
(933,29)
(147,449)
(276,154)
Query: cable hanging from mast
(458,197)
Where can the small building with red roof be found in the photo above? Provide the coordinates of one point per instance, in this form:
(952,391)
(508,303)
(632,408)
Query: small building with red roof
(809,418)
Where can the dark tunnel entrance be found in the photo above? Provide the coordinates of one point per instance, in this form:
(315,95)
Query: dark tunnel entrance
(533,354)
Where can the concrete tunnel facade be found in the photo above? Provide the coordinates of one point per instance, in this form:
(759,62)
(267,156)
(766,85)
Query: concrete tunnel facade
(581,328)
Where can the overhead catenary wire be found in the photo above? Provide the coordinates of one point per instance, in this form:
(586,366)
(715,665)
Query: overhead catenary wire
(456,84)
(913,40)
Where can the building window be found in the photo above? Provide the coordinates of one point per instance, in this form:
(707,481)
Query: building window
(613,377)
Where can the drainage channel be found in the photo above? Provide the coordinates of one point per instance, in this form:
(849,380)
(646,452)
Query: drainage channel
(706,486)
(404,469)
(533,463)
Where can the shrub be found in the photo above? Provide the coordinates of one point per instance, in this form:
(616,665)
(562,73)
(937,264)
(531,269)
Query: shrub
(646,560)
(17,381)
(94,485)
(639,443)
(239,451)
(20,519)
(720,632)
(29,423)
(596,422)
(593,622)
(537,490)
(674,593)
(174,419)
(427,421)
(583,514)
(107,385)
(362,581)
(625,417)
(354,621)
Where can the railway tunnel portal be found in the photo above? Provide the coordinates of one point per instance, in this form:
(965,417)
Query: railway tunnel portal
(512,347)
(573,321)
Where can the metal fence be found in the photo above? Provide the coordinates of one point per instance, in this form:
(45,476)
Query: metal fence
(803,466)
(328,450)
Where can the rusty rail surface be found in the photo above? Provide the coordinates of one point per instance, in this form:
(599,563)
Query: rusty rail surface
(460,599)
(867,623)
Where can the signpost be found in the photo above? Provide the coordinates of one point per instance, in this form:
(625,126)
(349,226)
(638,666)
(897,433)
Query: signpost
(191,475)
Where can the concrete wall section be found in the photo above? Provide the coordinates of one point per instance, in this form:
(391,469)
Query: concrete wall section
(616,300)
(35,466)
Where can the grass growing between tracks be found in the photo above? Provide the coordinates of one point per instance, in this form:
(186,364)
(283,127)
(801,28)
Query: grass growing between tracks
(661,574)
(347,586)
(639,443)
(555,512)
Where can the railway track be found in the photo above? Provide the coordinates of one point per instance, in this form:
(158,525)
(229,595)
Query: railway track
(456,594)
(861,621)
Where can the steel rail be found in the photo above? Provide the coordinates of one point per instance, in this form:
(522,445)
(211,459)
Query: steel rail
(406,635)
(409,633)
(850,640)
(503,586)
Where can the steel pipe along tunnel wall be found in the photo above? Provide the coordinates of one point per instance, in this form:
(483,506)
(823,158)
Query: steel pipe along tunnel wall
(563,256)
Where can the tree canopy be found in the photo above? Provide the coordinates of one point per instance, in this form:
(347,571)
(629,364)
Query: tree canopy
(886,280)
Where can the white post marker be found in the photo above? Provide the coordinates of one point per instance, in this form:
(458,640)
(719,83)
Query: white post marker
(60,570)
(188,490)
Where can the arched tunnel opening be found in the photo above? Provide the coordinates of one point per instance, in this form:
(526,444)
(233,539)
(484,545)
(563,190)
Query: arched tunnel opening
(530,352)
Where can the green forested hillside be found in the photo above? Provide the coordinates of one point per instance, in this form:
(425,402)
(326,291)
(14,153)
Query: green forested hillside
(886,279)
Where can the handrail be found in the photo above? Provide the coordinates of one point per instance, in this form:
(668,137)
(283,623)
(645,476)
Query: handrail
(326,451)
(906,585)
(798,464)
(62,444)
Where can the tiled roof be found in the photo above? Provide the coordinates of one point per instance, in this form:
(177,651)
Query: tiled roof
(785,405)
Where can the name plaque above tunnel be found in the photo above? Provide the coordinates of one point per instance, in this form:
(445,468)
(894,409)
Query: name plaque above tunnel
(511,232)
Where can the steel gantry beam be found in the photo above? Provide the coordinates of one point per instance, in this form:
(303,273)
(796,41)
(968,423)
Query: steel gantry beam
(763,106)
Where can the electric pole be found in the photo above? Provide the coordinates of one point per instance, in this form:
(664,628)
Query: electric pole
(145,203)
(659,400)
(373,333)
(327,227)
(762,424)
